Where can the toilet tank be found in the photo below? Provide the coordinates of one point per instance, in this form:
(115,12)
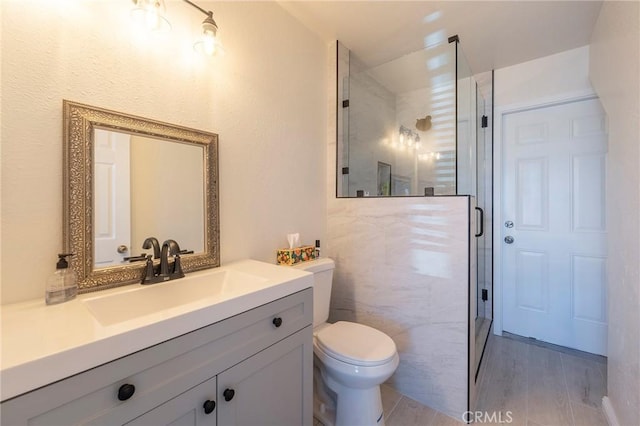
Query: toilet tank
(322,270)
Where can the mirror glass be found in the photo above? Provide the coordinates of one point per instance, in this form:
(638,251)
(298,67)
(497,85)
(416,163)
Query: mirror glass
(127,178)
(145,187)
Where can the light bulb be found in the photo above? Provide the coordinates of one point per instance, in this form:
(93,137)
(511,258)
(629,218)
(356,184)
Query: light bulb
(208,43)
(150,15)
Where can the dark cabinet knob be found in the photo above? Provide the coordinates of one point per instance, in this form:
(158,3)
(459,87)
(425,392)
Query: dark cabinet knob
(277,321)
(126,391)
(209,406)
(228,394)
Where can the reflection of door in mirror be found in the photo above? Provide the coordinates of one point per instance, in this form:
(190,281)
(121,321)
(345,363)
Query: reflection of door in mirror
(112,219)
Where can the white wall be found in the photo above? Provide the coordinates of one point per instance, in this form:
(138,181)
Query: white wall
(556,76)
(266,99)
(549,79)
(615,70)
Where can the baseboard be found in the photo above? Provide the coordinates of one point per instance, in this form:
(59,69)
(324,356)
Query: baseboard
(609,412)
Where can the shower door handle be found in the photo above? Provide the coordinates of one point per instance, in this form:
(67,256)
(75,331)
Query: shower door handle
(481,222)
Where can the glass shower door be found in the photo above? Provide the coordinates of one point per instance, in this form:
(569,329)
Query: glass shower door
(484,197)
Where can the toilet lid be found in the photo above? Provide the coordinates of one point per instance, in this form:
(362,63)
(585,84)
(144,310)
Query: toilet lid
(356,344)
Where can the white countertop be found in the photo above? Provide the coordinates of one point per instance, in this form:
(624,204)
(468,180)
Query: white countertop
(42,344)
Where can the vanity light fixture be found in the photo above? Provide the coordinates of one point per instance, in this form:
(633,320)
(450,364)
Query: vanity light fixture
(151,15)
(409,136)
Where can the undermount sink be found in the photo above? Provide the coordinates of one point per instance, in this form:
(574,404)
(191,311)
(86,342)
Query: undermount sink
(201,287)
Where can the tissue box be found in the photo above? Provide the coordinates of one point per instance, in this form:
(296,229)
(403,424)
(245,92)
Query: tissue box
(296,255)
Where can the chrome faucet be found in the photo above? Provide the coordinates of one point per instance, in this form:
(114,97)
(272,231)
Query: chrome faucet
(167,271)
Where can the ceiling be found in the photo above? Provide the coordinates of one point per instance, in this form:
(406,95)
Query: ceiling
(493,34)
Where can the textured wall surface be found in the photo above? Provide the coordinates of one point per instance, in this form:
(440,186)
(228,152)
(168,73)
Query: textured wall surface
(266,99)
(615,73)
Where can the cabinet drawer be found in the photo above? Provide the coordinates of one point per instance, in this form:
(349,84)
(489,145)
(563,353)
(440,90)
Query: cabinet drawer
(161,372)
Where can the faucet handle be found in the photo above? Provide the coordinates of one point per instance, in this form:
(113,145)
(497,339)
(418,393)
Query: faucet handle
(177,267)
(149,274)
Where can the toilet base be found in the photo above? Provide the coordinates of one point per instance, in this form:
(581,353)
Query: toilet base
(338,405)
(369,411)
(324,400)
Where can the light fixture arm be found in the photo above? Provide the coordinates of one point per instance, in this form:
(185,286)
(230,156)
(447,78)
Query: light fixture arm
(208,21)
(206,12)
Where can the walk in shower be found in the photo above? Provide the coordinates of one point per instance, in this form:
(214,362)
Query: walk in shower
(420,125)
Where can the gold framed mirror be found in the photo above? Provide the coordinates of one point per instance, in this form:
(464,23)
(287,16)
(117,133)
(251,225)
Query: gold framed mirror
(167,188)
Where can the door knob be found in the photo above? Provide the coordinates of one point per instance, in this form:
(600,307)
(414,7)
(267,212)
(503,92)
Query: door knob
(509,239)
(122,249)
(508,224)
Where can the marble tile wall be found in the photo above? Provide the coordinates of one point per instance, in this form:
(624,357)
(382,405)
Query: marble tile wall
(402,267)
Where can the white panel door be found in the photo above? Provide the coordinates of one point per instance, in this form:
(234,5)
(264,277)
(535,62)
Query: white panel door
(112,213)
(554,236)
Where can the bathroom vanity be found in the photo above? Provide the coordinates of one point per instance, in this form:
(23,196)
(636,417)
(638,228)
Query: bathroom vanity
(235,348)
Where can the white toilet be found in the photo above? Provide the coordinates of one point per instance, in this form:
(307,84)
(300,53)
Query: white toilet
(350,360)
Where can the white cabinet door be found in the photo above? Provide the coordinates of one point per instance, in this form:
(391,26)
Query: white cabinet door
(272,388)
(195,407)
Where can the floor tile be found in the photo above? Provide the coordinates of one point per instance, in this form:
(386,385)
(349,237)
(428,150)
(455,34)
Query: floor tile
(504,389)
(585,381)
(585,415)
(443,420)
(390,398)
(410,413)
(547,397)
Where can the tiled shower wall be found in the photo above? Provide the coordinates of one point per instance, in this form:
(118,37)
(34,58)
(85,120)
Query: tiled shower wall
(402,267)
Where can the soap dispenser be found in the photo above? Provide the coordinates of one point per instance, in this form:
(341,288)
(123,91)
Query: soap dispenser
(62,284)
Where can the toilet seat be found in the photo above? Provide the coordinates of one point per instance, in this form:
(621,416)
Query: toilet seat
(356,344)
